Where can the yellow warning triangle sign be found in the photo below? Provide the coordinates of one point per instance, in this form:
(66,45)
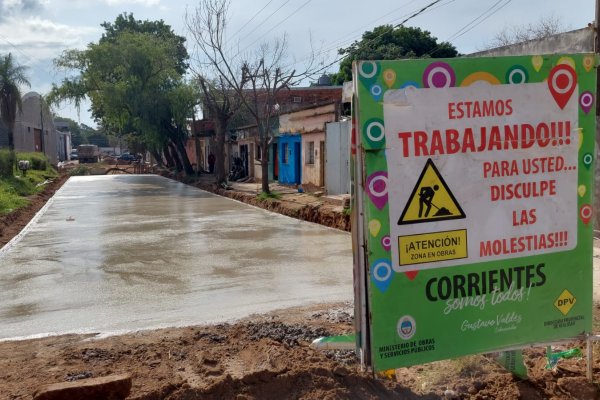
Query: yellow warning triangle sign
(431,199)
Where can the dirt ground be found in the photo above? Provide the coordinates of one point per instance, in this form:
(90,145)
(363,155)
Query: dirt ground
(11,224)
(267,357)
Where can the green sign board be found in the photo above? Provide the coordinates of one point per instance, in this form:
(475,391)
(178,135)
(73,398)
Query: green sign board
(476,203)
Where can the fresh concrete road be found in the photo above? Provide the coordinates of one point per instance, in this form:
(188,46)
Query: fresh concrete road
(119,253)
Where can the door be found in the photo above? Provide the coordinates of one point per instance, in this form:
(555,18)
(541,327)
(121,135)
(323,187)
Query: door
(298,162)
(321,163)
(244,157)
(38,140)
(337,160)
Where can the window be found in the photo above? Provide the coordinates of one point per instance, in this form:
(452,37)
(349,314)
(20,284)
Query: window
(296,99)
(284,153)
(310,152)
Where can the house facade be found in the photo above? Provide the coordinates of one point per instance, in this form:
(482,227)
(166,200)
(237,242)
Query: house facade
(34,129)
(64,140)
(303,151)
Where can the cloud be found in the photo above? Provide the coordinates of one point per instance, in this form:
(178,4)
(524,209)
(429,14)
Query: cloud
(147,3)
(15,7)
(33,39)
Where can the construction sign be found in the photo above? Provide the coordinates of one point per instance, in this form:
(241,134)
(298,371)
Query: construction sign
(430,200)
(475,203)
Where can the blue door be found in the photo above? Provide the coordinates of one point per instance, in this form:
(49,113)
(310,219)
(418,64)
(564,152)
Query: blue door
(290,165)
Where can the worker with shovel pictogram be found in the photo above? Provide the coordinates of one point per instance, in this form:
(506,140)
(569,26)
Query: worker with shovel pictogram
(426,201)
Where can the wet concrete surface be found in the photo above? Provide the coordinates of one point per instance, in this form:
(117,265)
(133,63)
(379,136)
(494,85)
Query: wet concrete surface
(127,252)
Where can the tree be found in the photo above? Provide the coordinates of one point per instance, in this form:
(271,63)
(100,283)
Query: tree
(387,42)
(222,104)
(127,23)
(134,79)
(544,27)
(255,78)
(11,76)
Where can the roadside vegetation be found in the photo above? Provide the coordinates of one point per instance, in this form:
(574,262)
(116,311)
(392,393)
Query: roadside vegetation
(263,196)
(15,186)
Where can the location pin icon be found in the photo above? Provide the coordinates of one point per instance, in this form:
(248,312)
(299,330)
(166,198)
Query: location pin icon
(588,63)
(382,274)
(586,100)
(411,274)
(585,213)
(386,242)
(561,82)
(377,189)
(581,190)
(374,227)
(588,158)
(376,92)
(537,62)
(389,76)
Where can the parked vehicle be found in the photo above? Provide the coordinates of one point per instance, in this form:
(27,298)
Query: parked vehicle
(128,157)
(88,153)
(73,156)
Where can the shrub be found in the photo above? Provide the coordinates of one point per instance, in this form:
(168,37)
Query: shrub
(37,161)
(80,170)
(263,196)
(6,164)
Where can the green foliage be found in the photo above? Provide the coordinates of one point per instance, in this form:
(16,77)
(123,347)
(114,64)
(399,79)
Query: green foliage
(7,164)
(127,23)
(347,211)
(263,196)
(9,198)
(12,76)
(37,161)
(134,79)
(386,42)
(80,170)
(14,190)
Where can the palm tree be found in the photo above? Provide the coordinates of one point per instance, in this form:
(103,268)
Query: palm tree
(11,76)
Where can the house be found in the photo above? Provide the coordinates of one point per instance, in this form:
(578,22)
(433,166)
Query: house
(64,143)
(245,144)
(243,141)
(34,128)
(577,41)
(302,151)
(198,150)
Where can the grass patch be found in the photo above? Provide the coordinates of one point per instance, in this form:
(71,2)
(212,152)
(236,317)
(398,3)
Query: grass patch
(263,196)
(80,170)
(347,211)
(446,371)
(15,189)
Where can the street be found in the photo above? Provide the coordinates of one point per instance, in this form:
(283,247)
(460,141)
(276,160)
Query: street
(126,252)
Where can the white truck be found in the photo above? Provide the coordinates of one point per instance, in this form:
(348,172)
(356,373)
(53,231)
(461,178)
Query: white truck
(88,153)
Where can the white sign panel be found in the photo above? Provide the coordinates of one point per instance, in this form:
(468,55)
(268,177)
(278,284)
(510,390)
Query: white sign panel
(480,173)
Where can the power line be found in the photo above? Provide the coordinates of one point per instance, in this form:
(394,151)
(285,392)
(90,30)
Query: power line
(251,19)
(279,23)
(260,24)
(473,23)
(414,15)
(409,16)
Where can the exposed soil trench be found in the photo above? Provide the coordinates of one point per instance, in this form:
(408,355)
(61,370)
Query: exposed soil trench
(266,356)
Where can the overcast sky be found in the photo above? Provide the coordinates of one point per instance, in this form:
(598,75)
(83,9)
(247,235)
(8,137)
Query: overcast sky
(36,31)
